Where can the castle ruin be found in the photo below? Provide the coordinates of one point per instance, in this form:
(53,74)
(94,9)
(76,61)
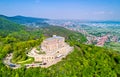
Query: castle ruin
(55,48)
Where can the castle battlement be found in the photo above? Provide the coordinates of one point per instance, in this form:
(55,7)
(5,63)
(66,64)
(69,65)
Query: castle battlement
(53,43)
(55,49)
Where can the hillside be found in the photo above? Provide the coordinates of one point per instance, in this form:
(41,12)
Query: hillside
(68,34)
(84,61)
(29,21)
(23,20)
(7,26)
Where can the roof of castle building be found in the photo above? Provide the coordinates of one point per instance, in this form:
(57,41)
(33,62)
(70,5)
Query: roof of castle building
(54,37)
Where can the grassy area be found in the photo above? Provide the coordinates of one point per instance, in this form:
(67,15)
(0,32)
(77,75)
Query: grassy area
(113,45)
(39,50)
(29,60)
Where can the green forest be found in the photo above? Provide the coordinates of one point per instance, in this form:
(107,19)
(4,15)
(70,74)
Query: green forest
(84,61)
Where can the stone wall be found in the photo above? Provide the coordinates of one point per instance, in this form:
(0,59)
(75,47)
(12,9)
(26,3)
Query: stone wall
(52,44)
(54,48)
(44,58)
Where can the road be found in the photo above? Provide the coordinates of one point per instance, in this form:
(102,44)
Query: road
(7,62)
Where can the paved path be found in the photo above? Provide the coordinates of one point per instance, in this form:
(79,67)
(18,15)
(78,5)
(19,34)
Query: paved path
(7,61)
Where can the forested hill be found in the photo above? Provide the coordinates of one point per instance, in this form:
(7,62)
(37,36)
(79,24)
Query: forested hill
(68,34)
(84,61)
(7,26)
(24,20)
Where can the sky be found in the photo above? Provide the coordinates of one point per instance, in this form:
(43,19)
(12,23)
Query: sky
(63,9)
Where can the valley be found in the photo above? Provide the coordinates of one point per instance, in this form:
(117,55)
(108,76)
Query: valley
(86,60)
(59,38)
(99,33)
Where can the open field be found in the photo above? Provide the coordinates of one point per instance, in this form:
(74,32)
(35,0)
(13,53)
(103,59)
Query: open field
(113,45)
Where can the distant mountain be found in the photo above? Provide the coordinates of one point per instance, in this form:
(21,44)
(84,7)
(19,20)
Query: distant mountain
(24,20)
(29,21)
(3,16)
(116,22)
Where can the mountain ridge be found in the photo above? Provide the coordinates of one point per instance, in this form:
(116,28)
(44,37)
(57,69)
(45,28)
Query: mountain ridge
(23,19)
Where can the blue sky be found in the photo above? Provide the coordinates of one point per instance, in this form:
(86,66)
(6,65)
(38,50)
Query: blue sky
(63,9)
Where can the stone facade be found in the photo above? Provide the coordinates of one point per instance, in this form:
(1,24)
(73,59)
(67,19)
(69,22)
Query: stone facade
(52,44)
(54,48)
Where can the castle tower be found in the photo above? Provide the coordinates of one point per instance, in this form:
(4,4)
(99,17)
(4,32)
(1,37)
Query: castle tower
(51,44)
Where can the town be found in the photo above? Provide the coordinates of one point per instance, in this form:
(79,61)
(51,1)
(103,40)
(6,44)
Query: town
(97,33)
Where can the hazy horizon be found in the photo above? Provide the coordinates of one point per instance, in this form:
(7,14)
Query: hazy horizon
(63,9)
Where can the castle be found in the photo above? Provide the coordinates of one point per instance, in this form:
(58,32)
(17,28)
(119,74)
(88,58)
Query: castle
(55,48)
